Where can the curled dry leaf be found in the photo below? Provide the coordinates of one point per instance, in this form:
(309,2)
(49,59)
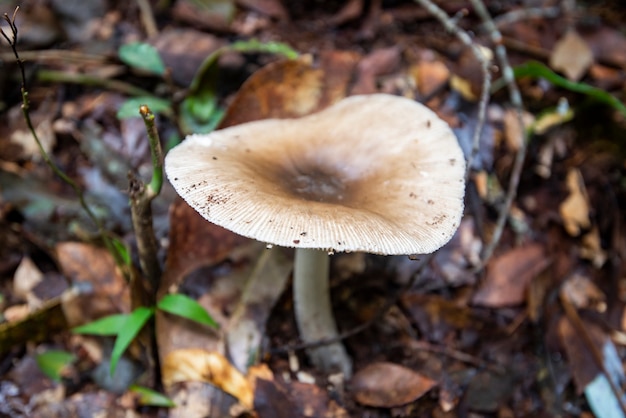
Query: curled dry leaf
(387,385)
(197,365)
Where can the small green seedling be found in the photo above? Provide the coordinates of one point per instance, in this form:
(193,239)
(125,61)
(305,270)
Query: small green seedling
(53,362)
(126,327)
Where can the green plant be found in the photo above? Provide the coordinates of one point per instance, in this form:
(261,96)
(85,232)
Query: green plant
(53,362)
(125,327)
(199,112)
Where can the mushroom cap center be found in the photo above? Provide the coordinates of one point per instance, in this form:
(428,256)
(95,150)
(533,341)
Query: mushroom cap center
(315,184)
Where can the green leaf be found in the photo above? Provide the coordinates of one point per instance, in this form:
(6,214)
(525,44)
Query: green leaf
(121,251)
(186,307)
(142,56)
(127,333)
(109,325)
(53,362)
(130,108)
(149,397)
(254,45)
(199,112)
(538,70)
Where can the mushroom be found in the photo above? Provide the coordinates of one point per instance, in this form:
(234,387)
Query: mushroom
(375,173)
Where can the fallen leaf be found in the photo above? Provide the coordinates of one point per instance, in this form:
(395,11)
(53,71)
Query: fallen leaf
(194,243)
(575,208)
(292,88)
(379,62)
(579,357)
(571,55)
(26,277)
(508,276)
(184,50)
(514,134)
(90,266)
(195,364)
(279,399)
(386,385)
(430,76)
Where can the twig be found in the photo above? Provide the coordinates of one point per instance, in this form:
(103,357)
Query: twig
(52,55)
(524,14)
(110,243)
(141,197)
(451,26)
(147,18)
(89,80)
(457,355)
(516,100)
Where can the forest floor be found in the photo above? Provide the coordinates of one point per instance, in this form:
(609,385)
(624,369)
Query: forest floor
(536,328)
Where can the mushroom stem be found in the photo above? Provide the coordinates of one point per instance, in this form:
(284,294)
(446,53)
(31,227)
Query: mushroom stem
(313,311)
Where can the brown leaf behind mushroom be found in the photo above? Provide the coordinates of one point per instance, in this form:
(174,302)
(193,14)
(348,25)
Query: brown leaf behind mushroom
(292,88)
(508,276)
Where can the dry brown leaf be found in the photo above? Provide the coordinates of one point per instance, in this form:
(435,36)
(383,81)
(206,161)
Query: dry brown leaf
(280,399)
(580,359)
(26,277)
(514,134)
(197,365)
(379,62)
(430,76)
(194,243)
(508,276)
(571,55)
(575,208)
(292,88)
(86,263)
(386,385)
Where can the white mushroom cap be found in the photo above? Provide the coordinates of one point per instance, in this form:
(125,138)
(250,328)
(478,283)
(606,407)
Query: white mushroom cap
(375,173)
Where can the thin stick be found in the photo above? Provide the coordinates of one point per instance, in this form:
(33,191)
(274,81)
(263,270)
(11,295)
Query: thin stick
(525,14)
(108,241)
(89,80)
(451,26)
(516,99)
(147,18)
(141,197)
